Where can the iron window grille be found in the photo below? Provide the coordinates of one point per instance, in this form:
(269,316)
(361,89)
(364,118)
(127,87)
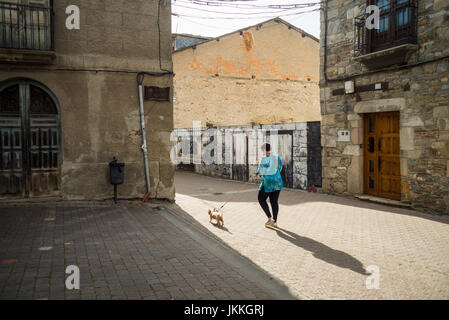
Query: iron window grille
(27,25)
(398,23)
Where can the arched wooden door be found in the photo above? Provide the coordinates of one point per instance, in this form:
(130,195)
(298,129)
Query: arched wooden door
(30,141)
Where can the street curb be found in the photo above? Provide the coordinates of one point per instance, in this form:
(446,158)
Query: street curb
(243,265)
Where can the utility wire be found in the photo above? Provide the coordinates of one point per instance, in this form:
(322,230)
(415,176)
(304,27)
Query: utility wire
(237,13)
(247,6)
(239,18)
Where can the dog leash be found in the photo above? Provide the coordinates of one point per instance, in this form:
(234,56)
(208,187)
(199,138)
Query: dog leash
(234,195)
(245,183)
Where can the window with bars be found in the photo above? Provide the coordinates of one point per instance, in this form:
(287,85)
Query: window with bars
(26,24)
(397,24)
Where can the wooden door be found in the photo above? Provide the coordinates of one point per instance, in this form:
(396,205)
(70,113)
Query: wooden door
(30,141)
(12,172)
(282,145)
(240,165)
(382,155)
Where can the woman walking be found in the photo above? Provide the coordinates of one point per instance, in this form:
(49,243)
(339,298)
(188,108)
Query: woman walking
(270,169)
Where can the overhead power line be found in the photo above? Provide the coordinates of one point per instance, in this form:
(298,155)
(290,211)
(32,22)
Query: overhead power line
(236,13)
(234,4)
(248,16)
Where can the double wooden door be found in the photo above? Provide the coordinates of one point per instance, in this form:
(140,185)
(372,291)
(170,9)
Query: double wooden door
(382,155)
(29,141)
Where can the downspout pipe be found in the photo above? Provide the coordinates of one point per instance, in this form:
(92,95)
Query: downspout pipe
(140,77)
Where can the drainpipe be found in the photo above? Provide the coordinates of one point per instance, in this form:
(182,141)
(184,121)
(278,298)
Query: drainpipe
(140,77)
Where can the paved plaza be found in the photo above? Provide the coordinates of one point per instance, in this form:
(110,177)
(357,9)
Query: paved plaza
(326,247)
(325,244)
(124,251)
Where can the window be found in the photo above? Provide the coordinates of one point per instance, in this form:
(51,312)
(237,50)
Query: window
(26,24)
(397,24)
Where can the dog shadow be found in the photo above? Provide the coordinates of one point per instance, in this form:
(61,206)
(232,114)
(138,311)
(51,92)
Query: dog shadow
(321,251)
(220,227)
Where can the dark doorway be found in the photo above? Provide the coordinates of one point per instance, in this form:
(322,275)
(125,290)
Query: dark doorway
(240,167)
(314,154)
(282,144)
(30,141)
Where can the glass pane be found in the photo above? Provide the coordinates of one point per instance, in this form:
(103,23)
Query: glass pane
(403,16)
(9,98)
(371,125)
(35,160)
(55,160)
(371,145)
(371,182)
(17,142)
(383,4)
(34,138)
(7,164)
(18,161)
(54,138)
(371,166)
(6,139)
(44,137)
(402,1)
(45,160)
(41,102)
(383,24)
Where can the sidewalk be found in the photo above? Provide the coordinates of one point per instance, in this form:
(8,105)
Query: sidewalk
(124,251)
(324,243)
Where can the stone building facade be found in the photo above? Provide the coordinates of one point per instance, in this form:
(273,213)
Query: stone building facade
(69,98)
(385,101)
(261,78)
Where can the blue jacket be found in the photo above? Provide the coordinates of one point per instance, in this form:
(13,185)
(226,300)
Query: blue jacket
(271,182)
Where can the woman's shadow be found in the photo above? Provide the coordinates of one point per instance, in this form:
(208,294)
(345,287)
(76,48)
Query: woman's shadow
(338,258)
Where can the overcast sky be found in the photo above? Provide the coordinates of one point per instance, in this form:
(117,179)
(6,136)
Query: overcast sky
(215,18)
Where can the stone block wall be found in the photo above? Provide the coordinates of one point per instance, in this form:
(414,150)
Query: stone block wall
(93,77)
(418,90)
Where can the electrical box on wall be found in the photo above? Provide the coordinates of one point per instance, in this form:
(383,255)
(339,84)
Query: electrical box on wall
(349,87)
(157,94)
(344,135)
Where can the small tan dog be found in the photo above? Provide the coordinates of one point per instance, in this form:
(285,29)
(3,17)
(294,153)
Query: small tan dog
(217,216)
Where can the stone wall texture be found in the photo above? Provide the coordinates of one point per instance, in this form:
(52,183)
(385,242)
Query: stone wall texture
(420,92)
(94,80)
(265,74)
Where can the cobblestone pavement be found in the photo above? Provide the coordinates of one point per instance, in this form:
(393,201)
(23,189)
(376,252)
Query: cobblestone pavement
(123,252)
(324,243)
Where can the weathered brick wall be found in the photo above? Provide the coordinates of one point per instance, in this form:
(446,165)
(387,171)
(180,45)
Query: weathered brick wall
(266,74)
(420,92)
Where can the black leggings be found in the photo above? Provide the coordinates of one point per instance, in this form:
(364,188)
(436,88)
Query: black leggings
(274,197)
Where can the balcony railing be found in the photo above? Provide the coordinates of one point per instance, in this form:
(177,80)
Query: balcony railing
(24,26)
(398,26)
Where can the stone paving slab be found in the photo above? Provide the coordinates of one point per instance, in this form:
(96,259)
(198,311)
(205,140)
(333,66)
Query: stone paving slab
(324,244)
(123,252)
